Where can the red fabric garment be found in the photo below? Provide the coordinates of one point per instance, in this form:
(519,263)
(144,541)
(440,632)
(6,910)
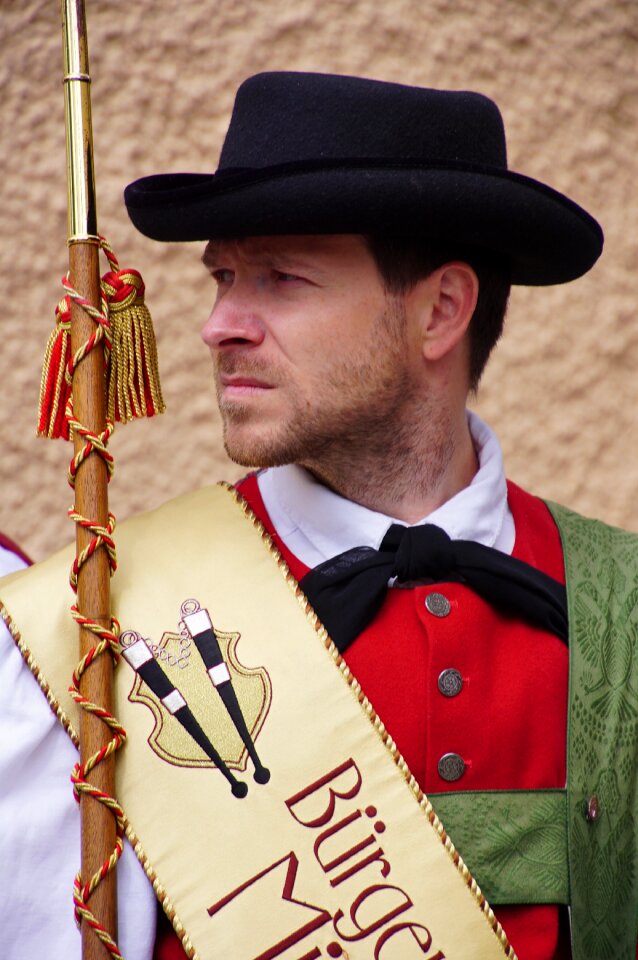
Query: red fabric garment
(167,944)
(11,545)
(508,722)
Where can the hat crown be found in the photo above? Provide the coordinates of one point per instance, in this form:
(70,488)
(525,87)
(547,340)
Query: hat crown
(287,117)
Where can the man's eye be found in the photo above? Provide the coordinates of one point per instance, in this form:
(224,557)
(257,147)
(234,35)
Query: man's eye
(222,277)
(286,277)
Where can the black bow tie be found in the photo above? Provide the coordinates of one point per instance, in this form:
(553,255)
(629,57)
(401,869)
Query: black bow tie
(347,591)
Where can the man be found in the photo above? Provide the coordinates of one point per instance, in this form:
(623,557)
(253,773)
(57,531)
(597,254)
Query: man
(362,237)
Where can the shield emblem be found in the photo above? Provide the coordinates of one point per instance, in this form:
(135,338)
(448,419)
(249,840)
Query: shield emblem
(186,673)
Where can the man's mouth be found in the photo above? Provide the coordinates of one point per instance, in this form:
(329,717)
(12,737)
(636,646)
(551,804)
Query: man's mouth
(236,385)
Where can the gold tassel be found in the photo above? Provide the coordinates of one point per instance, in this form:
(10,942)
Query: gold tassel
(132,374)
(134,388)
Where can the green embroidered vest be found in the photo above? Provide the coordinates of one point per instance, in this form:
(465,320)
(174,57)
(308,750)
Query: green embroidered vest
(576,846)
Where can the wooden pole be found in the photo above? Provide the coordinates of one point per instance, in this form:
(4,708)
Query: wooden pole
(91,500)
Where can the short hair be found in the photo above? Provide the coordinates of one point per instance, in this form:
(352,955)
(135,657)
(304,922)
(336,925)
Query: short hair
(402,261)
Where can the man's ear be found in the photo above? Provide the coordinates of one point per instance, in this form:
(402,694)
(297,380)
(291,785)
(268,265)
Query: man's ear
(449,298)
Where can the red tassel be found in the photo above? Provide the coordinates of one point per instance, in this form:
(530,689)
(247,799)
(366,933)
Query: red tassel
(54,388)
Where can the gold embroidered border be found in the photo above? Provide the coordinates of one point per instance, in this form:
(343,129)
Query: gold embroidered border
(37,673)
(377,723)
(162,896)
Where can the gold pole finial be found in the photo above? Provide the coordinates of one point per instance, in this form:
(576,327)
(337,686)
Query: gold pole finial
(82,207)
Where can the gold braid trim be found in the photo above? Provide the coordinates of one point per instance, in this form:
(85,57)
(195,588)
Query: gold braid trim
(37,673)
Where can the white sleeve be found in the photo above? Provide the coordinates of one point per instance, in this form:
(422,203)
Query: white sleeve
(40,833)
(10,562)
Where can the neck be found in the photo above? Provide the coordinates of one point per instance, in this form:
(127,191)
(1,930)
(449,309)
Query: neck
(403,473)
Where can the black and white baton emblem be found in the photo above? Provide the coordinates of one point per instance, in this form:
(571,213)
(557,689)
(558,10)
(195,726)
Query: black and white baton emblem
(200,627)
(145,658)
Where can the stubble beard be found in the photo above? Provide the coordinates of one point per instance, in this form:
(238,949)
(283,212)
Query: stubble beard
(365,432)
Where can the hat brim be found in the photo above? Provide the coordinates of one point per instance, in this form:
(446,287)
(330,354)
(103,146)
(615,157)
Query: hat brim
(546,237)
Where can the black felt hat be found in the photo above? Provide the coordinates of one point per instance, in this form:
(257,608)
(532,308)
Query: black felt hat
(318,153)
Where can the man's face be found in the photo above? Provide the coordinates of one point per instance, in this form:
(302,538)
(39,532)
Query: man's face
(312,357)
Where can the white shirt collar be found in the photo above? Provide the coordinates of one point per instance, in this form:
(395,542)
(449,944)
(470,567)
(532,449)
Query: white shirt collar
(316,523)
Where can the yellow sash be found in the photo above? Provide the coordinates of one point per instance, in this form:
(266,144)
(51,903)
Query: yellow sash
(338,854)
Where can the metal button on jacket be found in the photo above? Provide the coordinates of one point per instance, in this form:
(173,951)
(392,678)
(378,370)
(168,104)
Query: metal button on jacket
(437,604)
(450,682)
(451,766)
(592,809)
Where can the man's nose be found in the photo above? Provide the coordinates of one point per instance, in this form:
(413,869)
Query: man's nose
(233,321)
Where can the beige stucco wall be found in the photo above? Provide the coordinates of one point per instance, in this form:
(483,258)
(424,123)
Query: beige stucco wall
(561,389)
